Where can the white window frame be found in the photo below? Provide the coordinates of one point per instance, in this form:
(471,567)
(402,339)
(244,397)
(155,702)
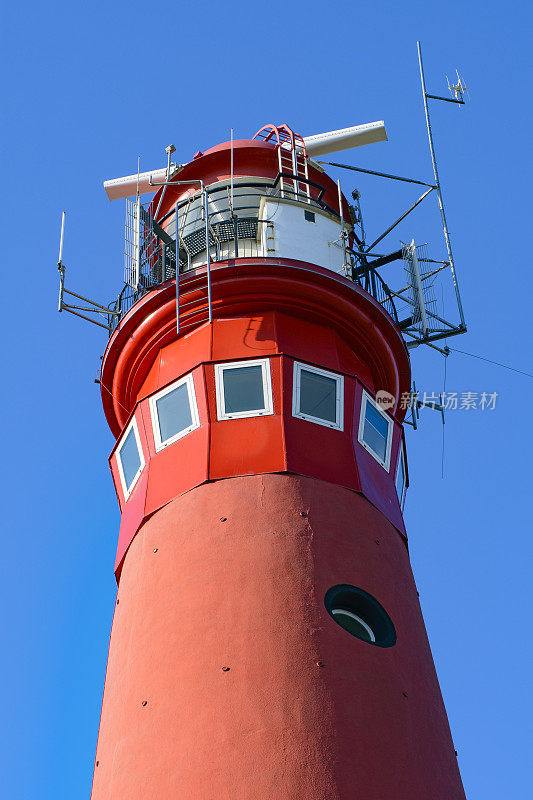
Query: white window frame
(193,406)
(338,425)
(126,491)
(358,619)
(366,398)
(264,363)
(401,460)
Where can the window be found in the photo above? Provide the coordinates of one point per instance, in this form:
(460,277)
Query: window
(375,431)
(130,458)
(360,614)
(243,389)
(174,412)
(318,396)
(401,477)
(310,216)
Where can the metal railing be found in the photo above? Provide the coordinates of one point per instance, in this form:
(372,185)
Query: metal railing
(233,224)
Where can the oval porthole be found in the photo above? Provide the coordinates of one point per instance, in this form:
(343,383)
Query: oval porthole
(360,614)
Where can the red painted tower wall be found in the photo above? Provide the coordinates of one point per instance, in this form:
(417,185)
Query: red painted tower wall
(227,677)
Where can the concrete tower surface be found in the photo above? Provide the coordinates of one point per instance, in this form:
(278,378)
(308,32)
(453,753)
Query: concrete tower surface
(267,640)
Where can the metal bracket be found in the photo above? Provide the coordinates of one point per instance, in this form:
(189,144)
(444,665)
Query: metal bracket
(92,307)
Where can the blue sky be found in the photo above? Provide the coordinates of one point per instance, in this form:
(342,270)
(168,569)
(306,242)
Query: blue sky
(88,90)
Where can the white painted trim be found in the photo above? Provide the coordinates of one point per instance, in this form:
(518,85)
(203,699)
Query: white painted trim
(193,406)
(401,460)
(366,398)
(264,363)
(367,628)
(126,491)
(338,425)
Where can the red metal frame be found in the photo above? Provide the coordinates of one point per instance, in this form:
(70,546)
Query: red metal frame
(284,135)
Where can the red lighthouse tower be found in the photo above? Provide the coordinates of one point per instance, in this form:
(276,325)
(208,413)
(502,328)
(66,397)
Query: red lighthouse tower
(267,640)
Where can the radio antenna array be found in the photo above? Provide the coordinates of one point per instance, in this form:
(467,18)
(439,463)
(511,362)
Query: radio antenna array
(410,295)
(406,288)
(457,89)
(436,174)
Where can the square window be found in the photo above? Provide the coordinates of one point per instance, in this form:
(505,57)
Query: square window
(318,396)
(243,389)
(174,412)
(375,431)
(130,458)
(401,477)
(310,216)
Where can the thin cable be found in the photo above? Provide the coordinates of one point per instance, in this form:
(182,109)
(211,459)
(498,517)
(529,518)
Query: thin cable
(443,400)
(490,361)
(108,390)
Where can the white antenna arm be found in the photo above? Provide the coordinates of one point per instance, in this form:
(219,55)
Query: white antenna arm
(60,259)
(130,185)
(322,144)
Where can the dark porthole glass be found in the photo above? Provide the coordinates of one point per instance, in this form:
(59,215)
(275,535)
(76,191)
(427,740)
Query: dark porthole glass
(353,624)
(360,614)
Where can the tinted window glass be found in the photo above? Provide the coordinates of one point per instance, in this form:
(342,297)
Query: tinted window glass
(375,431)
(174,412)
(400,479)
(129,458)
(243,389)
(318,395)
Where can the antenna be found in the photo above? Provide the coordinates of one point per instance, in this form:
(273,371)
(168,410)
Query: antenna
(60,264)
(94,308)
(60,259)
(437,183)
(409,294)
(458,89)
(419,314)
(169,149)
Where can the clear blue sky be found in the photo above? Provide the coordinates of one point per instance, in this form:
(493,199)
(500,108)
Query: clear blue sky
(85,92)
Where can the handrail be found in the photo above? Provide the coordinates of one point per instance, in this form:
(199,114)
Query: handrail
(301,179)
(210,222)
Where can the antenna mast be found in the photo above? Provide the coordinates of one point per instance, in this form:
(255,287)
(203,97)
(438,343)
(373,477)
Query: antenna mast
(436,174)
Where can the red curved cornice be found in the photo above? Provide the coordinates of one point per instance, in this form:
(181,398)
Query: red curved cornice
(242,287)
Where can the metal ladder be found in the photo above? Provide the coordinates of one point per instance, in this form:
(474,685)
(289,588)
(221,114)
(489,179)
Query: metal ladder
(292,161)
(201,284)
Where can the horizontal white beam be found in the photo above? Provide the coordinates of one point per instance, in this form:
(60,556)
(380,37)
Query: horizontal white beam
(322,144)
(127,187)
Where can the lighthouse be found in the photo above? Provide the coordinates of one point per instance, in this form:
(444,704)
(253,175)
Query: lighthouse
(267,639)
